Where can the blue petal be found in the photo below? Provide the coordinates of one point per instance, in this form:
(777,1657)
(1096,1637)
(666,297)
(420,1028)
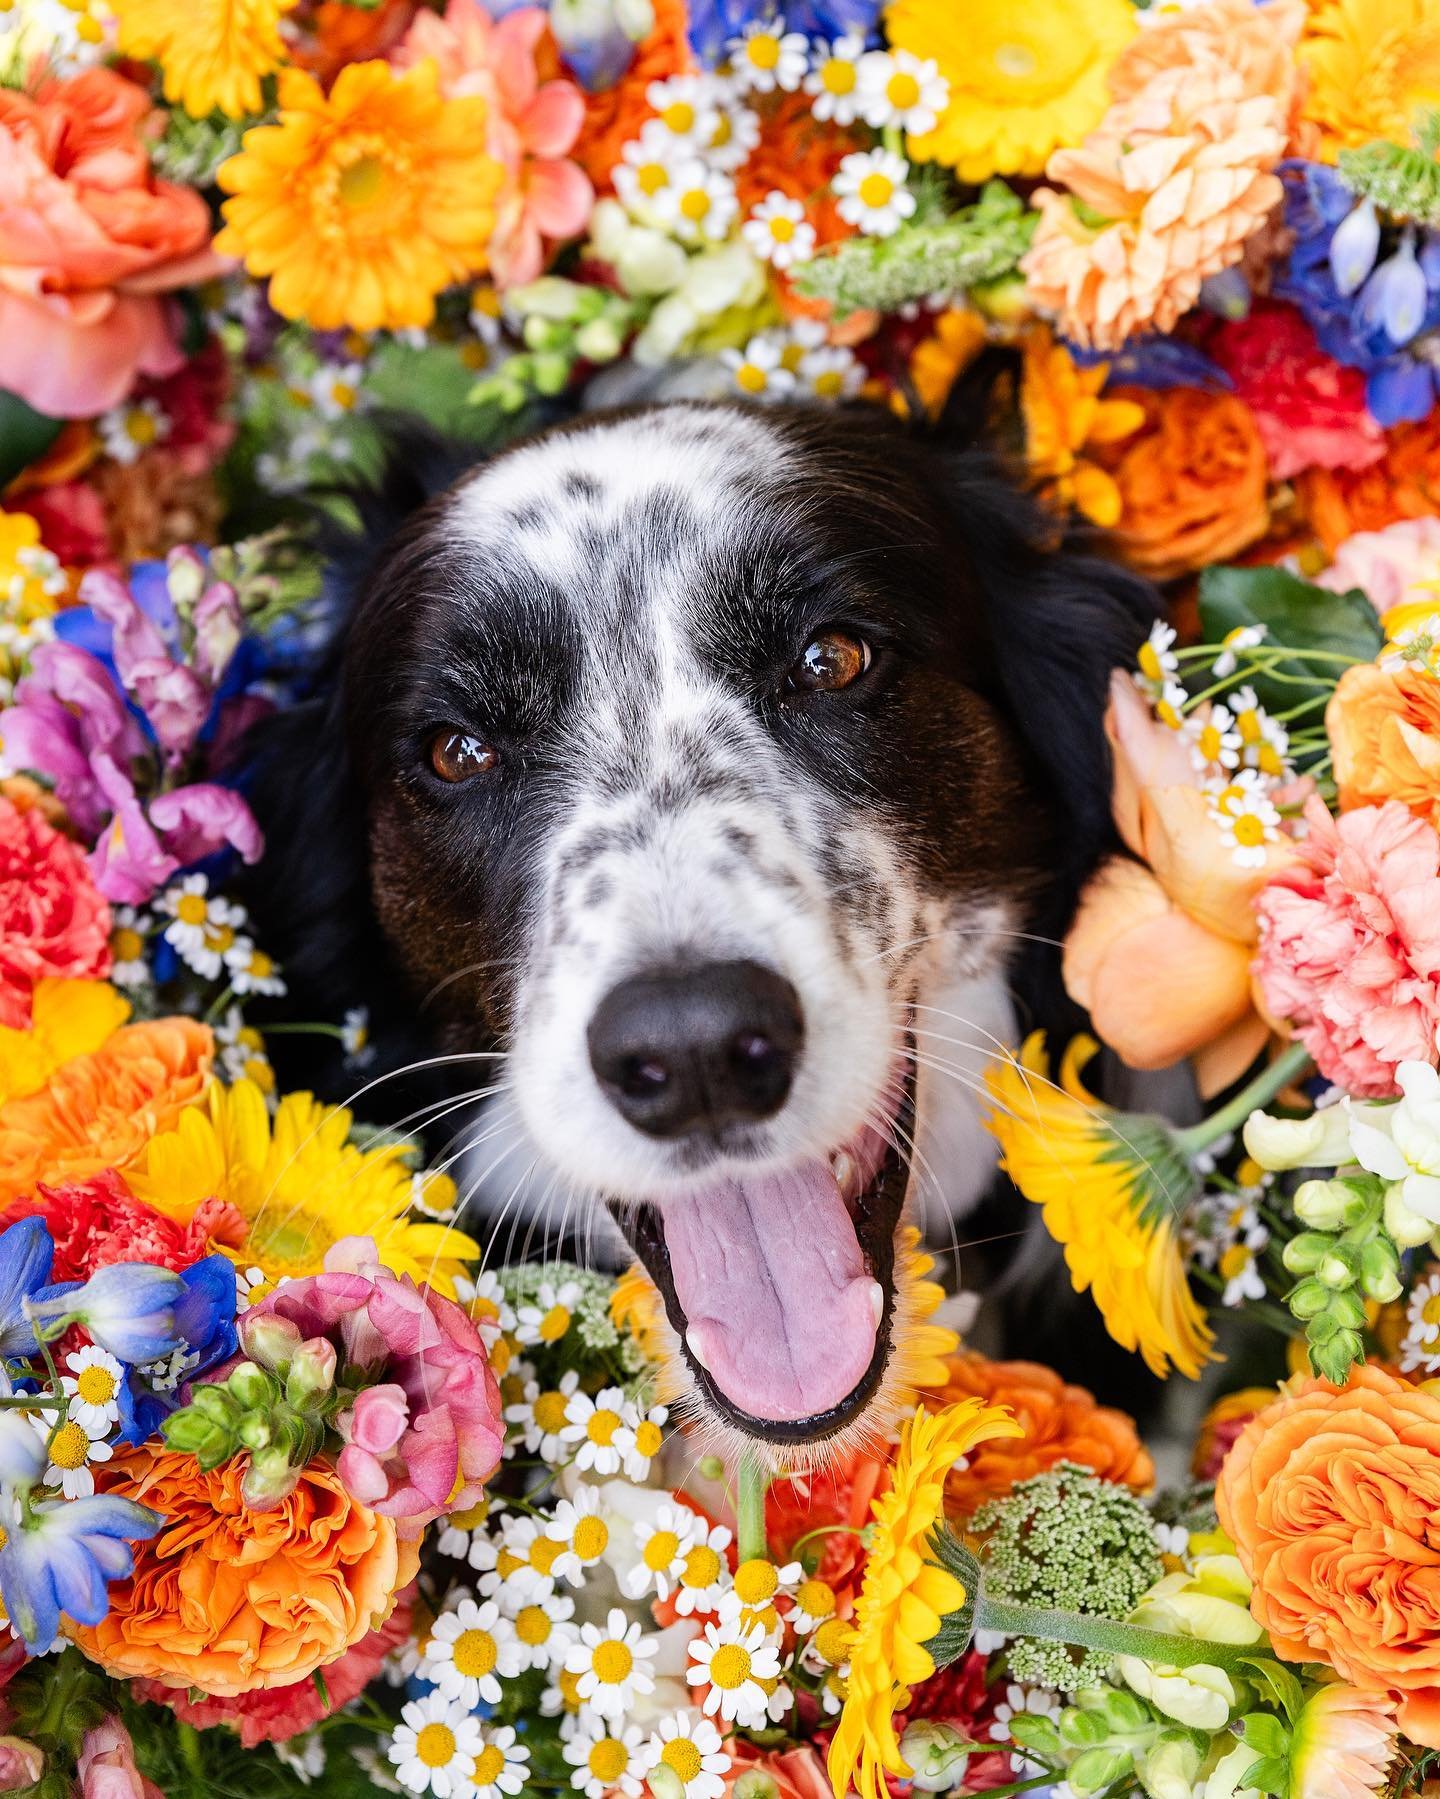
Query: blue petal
(28,1595)
(81,1590)
(26,1255)
(1354,247)
(1401,392)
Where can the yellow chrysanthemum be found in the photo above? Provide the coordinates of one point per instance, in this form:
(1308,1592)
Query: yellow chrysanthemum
(1064,414)
(905,1595)
(68,1019)
(300,1184)
(1024,80)
(360,205)
(1109,1184)
(212,53)
(1374,67)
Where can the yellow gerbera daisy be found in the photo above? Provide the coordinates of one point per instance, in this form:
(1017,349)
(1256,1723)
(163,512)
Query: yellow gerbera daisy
(906,1593)
(1024,80)
(360,205)
(1110,1184)
(1374,67)
(68,1019)
(300,1184)
(212,53)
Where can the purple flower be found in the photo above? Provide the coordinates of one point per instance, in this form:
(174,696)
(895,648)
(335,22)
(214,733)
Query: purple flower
(173,697)
(66,712)
(62,1558)
(138,851)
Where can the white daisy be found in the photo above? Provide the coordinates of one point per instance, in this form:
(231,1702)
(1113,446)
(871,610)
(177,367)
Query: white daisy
(1156,663)
(129,930)
(871,188)
(758,370)
(243,1055)
(644,177)
(609,1664)
(1172,1539)
(897,88)
(663,1546)
(303,1755)
(814,1603)
(705,203)
(1418,645)
(93,1389)
(687,109)
(355,1042)
(1420,1346)
(71,1448)
(541,1415)
(737,132)
(484,1296)
(544,1631)
(459,1529)
(252,1284)
(1170,704)
(434,1747)
(706,1574)
(336,389)
(501,1765)
(766,56)
(639,1440)
(833,372)
(521,1566)
(605,1762)
(732,1662)
(1243,637)
(690,1747)
(1247,818)
(561,1700)
(251,970)
(1241,1271)
(1214,741)
(470,1650)
(778,231)
(579,1532)
(547,1317)
(1020,1701)
(129,430)
(591,1426)
(834,80)
(202,925)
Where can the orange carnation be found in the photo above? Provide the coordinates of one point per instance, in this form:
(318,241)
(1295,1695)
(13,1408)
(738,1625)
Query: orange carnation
(616,114)
(799,156)
(228,1600)
(1404,483)
(1384,729)
(1332,1499)
(1192,481)
(1059,1423)
(100,1111)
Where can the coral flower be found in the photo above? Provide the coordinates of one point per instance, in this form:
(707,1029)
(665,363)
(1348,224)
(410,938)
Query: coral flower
(1023,80)
(212,53)
(1063,411)
(1109,1184)
(101,1111)
(90,241)
(1331,1497)
(69,1019)
(1374,68)
(1350,944)
(906,1593)
(1396,568)
(1222,1424)
(228,1600)
(299,1183)
(1058,1423)
(1384,730)
(53,919)
(99,1222)
(1401,485)
(532,125)
(360,205)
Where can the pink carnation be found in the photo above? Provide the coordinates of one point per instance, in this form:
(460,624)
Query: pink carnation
(1350,944)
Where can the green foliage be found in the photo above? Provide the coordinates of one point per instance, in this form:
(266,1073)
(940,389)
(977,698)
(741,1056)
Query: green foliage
(25,436)
(1346,1258)
(1327,630)
(1402,180)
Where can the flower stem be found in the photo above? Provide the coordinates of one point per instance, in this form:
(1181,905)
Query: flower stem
(1161,1648)
(750,1508)
(1286,1066)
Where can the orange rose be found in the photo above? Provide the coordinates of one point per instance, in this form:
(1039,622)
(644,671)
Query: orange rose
(1060,1424)
(1332,1499)
(227,1600)
(1404,483)
(100,1111)
(1384,728)
(1192,481)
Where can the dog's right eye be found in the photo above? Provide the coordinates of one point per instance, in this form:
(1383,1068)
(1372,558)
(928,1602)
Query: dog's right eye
(459,755)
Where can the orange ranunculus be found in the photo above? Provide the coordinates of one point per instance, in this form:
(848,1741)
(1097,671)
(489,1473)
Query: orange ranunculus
(226,1599)
(797,1773)
(1192,481)
(101,1110)
(1060,1423)
(1225,1420)
(1384,730)
(1332,1499)
(1404,483)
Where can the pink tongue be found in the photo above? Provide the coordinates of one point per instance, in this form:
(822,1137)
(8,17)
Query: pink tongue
(774,1288)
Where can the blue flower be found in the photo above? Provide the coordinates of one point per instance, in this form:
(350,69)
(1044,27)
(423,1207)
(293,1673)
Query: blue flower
(128,1308)
(63,1557)
(714,22)
(205,1327)
(1157,362)
(26,1254)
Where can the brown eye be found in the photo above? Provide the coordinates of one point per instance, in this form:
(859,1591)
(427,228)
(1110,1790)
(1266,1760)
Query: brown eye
(829,662)
(459,755)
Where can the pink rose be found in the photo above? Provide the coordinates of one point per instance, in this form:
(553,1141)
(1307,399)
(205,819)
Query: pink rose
(1390,567)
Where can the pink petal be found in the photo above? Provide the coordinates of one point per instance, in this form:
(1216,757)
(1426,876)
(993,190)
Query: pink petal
(558,198)
(551,122)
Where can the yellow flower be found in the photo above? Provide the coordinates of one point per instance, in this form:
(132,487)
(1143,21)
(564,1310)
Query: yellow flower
(1024,80)
(1063,414)
(906,1593)
(1110,1184)
(361,205)
(1374,66)
(213,53)
(922,1350)
(300,1184)
(941,359)
(69,1019)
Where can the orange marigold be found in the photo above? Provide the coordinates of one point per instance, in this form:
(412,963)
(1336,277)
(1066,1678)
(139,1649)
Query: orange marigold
(226,1599)
(1404,483)
(1064,413)
(616,114)
(100,1111)
(1059,1423)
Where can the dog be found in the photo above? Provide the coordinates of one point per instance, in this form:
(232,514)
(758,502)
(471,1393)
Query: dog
(723,772)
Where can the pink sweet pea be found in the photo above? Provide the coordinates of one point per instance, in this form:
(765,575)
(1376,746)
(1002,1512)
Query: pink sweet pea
(173,697)
(107,1765)
(66,712)
(137,853)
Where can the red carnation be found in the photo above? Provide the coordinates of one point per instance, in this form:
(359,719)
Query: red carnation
(99,1222)
(53,919)
(1309,410)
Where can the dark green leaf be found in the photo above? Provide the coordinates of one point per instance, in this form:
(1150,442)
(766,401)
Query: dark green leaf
(1297,615)
(25,436)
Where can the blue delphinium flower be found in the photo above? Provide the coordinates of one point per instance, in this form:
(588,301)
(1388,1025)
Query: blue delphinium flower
(714,22)
(26,1254)
(128,1308)
(1155,362)
(205,1329)
(597,38)
(61,1558)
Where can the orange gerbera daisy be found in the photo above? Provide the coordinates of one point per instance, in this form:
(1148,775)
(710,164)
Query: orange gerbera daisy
(1064,412)
(360,205)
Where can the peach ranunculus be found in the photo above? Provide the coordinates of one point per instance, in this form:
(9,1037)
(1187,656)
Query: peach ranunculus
(90,243)
(1384,730)
(226,1599)
(797,1773)
(1060,1423)
(100,1111)
(1185,912)
(1397,566)
(531,125)
(1332,1499)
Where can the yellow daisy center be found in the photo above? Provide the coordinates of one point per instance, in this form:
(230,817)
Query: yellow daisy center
(832,1641)
(140,427)
(679,117)
(602,1425)
(532,1626)
(756,1581)
(1249,831)
(695,204)
(1248,725)
(96,1386)
(724,131)
(876,189)
(126,945)
(838,76)
(1235,1261)
(612,1662)
(69,1446)
(816,1598)
(475,1653)
(435,1745)
(660,1550)
(506,1564)
(550,1413)
(472,1517)
(489,1766)
(1430,1311)
(554,1324)
(702,1567)
(1211,743)
(219,937)
(782,229)
(191,908)
(544,1552)
(591,1539)
(682,1757)
(569,1684)
(729,1667)
(1169,716)
(261,965)
(902,91)
(647,1437)
(1150,665)
(829,385)
(1269,760)
(651,177)
(750,378)
(763,50)
(608,1760)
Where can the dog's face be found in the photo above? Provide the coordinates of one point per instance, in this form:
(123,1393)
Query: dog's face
(692,775)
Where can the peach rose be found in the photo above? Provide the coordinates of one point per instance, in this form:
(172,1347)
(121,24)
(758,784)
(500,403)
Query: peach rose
(90,241)
(1384,729)
(797,1773)
(1332,1499)
(227,1600)
(1192,482)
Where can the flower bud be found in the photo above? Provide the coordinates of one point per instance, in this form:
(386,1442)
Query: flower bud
(1354,247)
(312,1374)
(22,1450)
(1097,1769)
(191,1433)
(1080,1729)
(1168,1768)
(1305,1253)
(268,1480)
(551,373)
(1380,1270)
(1033,1731)
(755,1783)
(1336,1358)
(937,1754)
(1325,1205)
(1320,1141)
(185,577)
(1339,1267)
(1395,296)
(664,1782)
(269,1339)
(598,341)
(254,1431)
(1408,1228)
(251,1387)
(1309,1299)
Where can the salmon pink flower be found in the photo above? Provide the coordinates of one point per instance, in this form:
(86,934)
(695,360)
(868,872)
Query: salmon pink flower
(53,919)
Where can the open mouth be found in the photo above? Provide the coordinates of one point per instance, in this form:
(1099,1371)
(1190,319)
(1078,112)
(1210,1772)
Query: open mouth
(781,1285)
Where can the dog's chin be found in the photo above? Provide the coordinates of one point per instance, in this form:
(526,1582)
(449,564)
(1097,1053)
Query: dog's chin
(780,1293)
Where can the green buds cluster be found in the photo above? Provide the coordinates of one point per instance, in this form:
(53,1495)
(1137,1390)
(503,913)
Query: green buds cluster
(563,324)
(936,1754)
(1108,1736)
(1345,1258)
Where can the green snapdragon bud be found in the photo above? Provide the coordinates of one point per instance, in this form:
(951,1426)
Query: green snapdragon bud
(937,1754)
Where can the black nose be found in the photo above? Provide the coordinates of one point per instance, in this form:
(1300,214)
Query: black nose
(697,1048)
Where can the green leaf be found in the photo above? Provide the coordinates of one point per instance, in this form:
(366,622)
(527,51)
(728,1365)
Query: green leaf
(1270,1774)
(1277,1684)
(25,436)
(1296,615)
(1265,1734)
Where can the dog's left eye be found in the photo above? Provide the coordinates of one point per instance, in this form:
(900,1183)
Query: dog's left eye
(460,756)
(830,661)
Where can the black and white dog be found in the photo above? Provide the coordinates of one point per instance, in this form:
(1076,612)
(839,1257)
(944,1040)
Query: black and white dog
(715,765)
